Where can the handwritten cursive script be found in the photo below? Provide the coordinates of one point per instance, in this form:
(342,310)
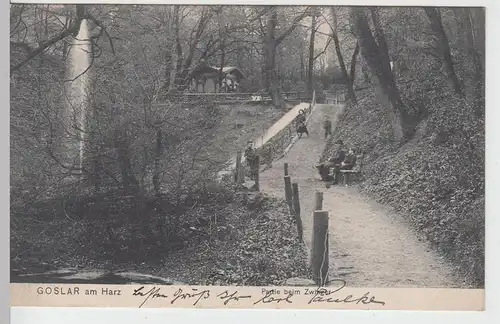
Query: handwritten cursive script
(227,297)
(151,293)
(180,294)
(323,295)
(330,292)
(269,299)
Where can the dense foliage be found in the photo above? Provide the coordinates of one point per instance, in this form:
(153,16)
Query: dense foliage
(217,236)
(148,161)
(436,176)
(134,137)
(414,78)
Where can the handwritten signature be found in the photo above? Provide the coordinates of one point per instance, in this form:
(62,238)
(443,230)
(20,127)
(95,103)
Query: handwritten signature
(151,293)
(227,297)
(320,295)
(179,294)
(267,299)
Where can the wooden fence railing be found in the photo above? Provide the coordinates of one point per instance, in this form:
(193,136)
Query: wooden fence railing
(335,97)
(319,248)
(234,97)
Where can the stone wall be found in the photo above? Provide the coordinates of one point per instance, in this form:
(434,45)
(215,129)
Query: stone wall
(276,147)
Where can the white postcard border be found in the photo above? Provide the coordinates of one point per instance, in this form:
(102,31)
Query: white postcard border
(97,315)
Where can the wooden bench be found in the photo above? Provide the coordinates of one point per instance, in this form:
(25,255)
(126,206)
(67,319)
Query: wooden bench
(355,171)
(347,175)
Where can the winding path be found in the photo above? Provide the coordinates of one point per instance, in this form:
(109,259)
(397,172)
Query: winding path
(370,246)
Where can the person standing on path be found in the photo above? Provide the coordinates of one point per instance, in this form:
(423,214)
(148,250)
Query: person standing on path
(250,157)
(301,117)
(327,126)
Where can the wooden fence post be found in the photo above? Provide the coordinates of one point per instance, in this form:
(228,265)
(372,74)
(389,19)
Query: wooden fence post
(238,167)
(319,201)
(288,193)
(296,209)
(242,174)
(256,172)
(319,253)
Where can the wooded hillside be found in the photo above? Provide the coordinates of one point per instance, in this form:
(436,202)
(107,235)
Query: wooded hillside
(415,88)
(421,124)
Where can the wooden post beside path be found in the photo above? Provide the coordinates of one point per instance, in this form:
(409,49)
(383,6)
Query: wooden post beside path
(242,174)
(238,172)
(318,201)
(319,253)
(296,210)
(256,173)
(288,189)
(289,193)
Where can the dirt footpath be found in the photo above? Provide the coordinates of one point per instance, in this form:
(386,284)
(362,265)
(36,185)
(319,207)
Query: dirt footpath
(370,246)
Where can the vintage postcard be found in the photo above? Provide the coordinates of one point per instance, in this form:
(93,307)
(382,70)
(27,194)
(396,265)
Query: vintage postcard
(247,156)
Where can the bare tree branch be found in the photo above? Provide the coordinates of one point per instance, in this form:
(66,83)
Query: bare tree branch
(294,25)
(44,46)
(19,21)
(324,49)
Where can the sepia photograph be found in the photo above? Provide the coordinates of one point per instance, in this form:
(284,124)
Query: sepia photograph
(247,146)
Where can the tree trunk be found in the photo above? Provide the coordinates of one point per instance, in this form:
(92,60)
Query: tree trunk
(380,67)
(67,23)
(477,18)
(349,78)
(222,29)
(222,63)
(352,74)
(475,84)
(96,172)
(167,86)
(46,36)
(129,181)
(176,59)
(302,67)
(379,35)
(310,67)
(444,47)
(271,42)
(183,68)
(270,45)
(269,50)
(157,169)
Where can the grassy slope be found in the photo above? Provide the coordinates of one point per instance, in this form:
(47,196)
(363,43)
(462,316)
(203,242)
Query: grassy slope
(243,122)
(429,181)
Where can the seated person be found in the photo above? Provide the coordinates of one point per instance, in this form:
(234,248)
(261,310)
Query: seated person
(334,161)
(349,161)
(347,164)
